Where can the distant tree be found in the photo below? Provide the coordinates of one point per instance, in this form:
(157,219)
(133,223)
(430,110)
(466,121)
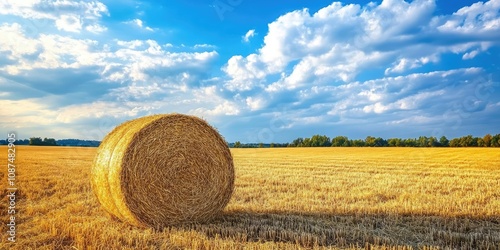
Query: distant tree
(340,141)
(468,141)
(495,140)
(480,142)
(433,142)
(237,144)
(320,141)
(23,142)
(370,141)
(261,145)
(444,141)
(475,141)
(423,141)
(487,140)
(395,142)
(306,142)
(271,145)
(358,143)
(380,142)
(297,142)
(49,142)
(455,142)
(410,142)
(347,143)
(36,141)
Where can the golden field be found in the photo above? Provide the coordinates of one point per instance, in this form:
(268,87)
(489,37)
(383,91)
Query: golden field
(284,198)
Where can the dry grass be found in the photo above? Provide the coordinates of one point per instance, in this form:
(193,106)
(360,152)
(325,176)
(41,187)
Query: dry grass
(163,170)
(386,198)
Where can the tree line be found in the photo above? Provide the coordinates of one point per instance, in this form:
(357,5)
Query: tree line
(422,141)
(38,141)
(370,141)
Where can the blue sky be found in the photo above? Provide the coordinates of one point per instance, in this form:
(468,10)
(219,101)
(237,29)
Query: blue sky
(259,71)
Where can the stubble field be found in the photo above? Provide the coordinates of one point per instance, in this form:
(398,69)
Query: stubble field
(284,198)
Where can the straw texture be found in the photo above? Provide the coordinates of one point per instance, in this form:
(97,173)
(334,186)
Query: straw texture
(163,170)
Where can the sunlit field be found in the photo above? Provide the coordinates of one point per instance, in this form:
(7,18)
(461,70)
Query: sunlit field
(284,198)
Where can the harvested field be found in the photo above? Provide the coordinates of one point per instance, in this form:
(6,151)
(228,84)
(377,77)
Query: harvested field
(284,198)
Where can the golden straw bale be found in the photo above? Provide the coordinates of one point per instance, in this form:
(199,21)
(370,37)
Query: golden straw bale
(163,170)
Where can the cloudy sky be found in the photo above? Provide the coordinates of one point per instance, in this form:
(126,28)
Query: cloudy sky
(259,71)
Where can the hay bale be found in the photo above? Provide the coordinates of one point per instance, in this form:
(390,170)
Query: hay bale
(163,170)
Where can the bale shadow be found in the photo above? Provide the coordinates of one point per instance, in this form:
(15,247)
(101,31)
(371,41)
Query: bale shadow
(361,230)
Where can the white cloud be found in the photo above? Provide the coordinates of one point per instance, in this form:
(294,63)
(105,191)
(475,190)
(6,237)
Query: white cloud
(246,73)
(139,23)
(255,103)
(339,41)
(96,28)
(248,35)
(424,93)
(136,60)
(204,46)
(210,103)
(405,64)
(69,23)
(26,113)
(68,15)
(474,19)
(97,109)
(46,51)
(225,108)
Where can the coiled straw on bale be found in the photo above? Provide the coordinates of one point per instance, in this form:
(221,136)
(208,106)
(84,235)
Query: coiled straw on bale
(163,170)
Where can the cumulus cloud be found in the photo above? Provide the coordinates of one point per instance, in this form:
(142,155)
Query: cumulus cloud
(67,15)
(69,23)
(119,61)
(339,41)
(255,103)
(214,103)
(75,80)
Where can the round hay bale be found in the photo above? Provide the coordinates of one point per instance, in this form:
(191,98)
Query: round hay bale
(163,170)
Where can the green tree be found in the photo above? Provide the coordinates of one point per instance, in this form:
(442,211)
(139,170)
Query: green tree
(410,142)
(380,142)
(433,142)
(423,141)
(347,143)
(487,140)
(358,143)
(306,142)
(49,142)
(36,141)
(455,142)
(370,141)
(340,141)
(480,142)
(237,144)
(261,145)
(320,141)
(298,142)
(495,140)
(394,142)
(468,141)
(444,141)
